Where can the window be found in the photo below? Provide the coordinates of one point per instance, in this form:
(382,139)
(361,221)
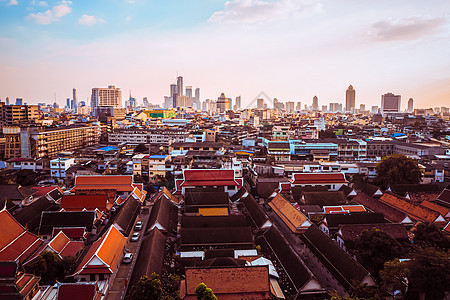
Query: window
(92,277)
(230,187)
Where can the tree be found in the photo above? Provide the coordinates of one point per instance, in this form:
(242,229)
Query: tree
(428,235)
(394,276)
(327,134)
(204,293)
(428,272)
(397,169)
(48,266)
(374,247)
(147,288)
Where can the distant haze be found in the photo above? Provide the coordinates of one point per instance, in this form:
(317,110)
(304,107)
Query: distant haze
(290,49)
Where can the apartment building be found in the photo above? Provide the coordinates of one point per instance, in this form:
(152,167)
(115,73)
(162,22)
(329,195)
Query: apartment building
(48,142)
(17,114)
(147,136)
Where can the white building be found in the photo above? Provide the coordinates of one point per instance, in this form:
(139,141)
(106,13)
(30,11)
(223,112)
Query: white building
(59,166)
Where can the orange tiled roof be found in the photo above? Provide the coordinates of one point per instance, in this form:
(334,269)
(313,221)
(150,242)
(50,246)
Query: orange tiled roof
(213,211)
(435,207)
(107,249)
(416,212)
(292,217)
(59,242)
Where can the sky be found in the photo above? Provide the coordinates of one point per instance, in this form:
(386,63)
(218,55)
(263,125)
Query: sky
(289,49)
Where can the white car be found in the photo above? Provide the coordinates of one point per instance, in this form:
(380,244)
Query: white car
(135,237)
(138,225)
(127,258)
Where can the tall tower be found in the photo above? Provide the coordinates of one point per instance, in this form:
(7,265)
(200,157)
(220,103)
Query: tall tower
(180,85)
(75,99)
(238,102)
(350,98)
(410,105)
(315,104)
(189,91)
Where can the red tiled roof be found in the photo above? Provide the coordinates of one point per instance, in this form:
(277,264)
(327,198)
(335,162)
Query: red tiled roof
(76,291)
(193,177)
(239,281)
(292,217)
(88,202)
(390,213)
(319,178)
(16,243)
(121,183)
(44,190)
(71,232)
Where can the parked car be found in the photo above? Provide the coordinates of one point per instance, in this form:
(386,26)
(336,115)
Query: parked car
(135,237)
(127,258)
(138,225)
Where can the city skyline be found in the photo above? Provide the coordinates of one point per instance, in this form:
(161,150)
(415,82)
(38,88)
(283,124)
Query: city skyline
(309,48)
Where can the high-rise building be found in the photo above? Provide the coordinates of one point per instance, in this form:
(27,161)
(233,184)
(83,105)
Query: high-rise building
(350,96)
(260,103)
(173,90)
(197,95)
(223,103)
(75,99)
(362,107)
(335,107)
(410,105)
(180,85)
(7,100)
(189,91)
(324,108)
(299,106)
(290,106)
(19,101)
(238,102)
(278,105)
(145,101)
(68,103)
(390,103)
(106,97)
(374,109)
(315,103)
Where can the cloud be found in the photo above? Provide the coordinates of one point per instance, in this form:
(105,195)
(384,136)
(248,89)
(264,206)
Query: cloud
(90,20)
(130,1)
(260,11)
(405,29)
(128,19)
(51,15)
(43,4)
(13,2)
(62,9)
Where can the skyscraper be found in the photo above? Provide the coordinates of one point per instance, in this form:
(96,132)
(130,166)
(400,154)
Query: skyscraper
(106,97)
(410,105)
(197,95)
(223,103)
(180,85)
(19,101)
(238,102)
(350,98)
(315,103)
(7,100)
(260,103)
(75,99)
(390,103)
(68,103)
(173,90)
(189,91)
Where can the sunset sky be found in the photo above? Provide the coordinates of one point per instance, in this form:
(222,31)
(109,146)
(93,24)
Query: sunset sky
(290,49)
